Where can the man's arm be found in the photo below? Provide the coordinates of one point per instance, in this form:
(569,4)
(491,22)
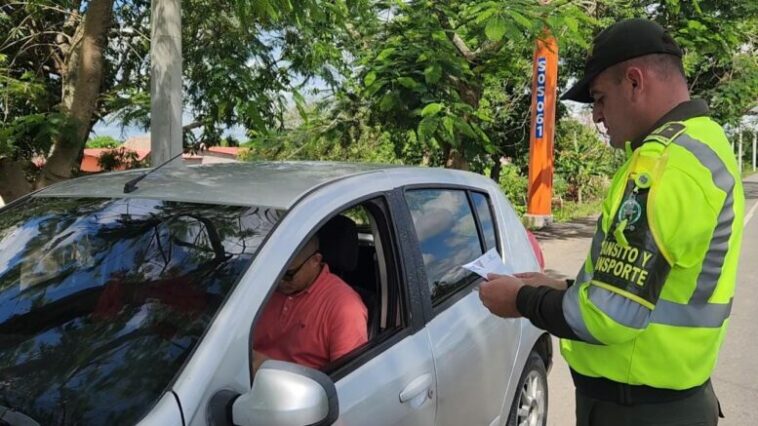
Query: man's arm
(348,328)
(543,306)
(258,359)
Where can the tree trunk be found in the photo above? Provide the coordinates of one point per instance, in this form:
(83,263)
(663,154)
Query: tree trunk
(13,183)
(455,159)
(496,168)
(81,90)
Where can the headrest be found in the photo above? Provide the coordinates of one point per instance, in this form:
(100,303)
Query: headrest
(338,243)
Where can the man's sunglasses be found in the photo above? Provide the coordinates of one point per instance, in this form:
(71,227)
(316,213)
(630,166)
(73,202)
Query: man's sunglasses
(289,274)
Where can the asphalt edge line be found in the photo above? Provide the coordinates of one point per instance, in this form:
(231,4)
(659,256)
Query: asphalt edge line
(750,214)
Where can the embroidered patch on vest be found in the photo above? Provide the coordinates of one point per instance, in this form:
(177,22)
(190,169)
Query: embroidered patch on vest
(629,259)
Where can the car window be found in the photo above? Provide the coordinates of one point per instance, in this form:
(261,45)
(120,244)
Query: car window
(102,300)
(361,255)
(447,236)
(484,213)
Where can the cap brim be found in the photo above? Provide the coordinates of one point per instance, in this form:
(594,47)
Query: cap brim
(579,92)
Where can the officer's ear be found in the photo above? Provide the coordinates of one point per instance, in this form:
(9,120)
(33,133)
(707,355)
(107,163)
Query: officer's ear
(635,82)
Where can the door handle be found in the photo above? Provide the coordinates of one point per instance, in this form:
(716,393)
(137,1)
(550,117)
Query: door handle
(419,385)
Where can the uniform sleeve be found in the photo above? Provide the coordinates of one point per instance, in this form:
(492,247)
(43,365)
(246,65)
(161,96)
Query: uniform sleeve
(543,306)
(348,328)
(650,233)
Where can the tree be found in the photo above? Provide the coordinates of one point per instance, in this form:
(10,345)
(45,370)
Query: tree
(103,142)
(88,59)
(719,39)
(433,63)
(581,158)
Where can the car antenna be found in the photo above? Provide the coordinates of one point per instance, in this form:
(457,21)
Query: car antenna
(131,186)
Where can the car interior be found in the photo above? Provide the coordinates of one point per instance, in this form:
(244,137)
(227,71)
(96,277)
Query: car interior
(356,245)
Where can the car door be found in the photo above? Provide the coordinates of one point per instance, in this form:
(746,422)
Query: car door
(474,351)
(393,381)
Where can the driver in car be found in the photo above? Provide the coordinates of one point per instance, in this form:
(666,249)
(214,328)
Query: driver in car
(313,318)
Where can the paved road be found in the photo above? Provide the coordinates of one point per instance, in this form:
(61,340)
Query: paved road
(736,377)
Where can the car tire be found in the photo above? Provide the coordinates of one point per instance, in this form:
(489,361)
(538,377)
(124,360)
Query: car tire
(529,407)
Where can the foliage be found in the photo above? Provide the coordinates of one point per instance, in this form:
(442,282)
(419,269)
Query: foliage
(119,159)
(240,59)
(573,210)
(583,160)
(719,40)
(103,142)
(430,67)
(514,185)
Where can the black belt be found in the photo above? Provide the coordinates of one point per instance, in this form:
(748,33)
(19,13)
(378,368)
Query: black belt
(624,394)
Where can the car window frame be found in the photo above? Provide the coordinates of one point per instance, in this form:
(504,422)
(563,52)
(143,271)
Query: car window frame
(480,228)
(409,288)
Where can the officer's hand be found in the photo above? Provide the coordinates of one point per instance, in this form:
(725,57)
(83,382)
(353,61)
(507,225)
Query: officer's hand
(499,295)
(536,279)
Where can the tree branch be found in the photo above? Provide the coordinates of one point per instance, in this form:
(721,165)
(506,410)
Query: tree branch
(457,41)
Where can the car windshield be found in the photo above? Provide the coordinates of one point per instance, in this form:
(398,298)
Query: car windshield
(102,300)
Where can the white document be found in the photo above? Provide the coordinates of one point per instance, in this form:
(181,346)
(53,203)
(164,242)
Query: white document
(489,263)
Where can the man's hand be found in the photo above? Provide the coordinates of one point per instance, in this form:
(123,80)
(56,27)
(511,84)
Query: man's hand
(258,359)
(537,279)
(499,295)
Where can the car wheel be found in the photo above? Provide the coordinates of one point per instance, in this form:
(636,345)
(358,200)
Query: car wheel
(529,406)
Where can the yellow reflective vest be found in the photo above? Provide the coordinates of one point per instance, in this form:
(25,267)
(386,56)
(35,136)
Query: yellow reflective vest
(651,304)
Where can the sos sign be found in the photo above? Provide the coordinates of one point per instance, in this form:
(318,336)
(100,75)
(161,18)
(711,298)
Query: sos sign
(539,125)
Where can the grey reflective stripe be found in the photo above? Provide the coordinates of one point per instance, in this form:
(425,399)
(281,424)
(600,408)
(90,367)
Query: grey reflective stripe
(573,315)
(597,240)
(621,309)
(714,258)
(711,315)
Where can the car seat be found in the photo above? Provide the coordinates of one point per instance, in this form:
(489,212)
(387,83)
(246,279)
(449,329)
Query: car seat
(338,244)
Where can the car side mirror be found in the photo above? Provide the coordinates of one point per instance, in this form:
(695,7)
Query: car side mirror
(286,394)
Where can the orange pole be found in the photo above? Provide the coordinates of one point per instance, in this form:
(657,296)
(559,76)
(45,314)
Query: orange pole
(542,132)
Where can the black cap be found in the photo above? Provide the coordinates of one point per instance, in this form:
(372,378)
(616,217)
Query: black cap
(621,41)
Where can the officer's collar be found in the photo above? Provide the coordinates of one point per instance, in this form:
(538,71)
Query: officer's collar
(681,112)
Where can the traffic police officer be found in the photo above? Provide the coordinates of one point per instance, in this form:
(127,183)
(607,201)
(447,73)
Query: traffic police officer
(642,324)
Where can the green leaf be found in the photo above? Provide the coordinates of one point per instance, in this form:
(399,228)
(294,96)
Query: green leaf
(439,36)
(464,128)
(427,127)
(369,79)
(374,88)
(483,16)
(495,29)
(571,23)
(387,102)
(408,83)
(520,19)
(384,54)
(447,122)
(431,109)
(432,74)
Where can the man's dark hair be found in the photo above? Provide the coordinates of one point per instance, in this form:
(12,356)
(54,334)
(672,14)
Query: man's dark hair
(664,65)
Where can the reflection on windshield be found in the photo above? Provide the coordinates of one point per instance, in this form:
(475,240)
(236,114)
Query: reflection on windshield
(101,301)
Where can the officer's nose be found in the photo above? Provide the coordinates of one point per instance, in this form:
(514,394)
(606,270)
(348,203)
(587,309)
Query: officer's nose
(597,115)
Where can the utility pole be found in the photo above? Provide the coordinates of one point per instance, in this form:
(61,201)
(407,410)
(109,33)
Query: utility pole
(165,80)
(544,93)
(755,142)
(740,151)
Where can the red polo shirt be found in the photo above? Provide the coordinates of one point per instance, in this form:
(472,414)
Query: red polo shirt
(315,326)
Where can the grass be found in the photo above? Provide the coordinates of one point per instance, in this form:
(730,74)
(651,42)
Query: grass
(572,210)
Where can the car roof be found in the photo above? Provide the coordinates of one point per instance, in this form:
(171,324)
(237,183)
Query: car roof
(269,184)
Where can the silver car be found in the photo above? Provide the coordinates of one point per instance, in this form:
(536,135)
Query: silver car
(129,299)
